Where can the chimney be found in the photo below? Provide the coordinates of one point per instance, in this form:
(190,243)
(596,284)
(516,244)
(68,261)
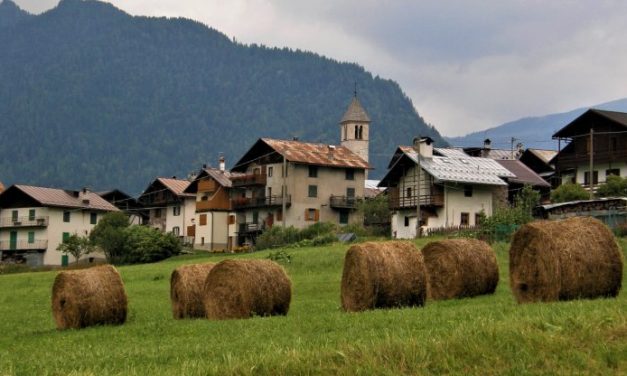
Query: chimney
(83,195)
(222,163)
(331,149)
(424,146)
(487,144)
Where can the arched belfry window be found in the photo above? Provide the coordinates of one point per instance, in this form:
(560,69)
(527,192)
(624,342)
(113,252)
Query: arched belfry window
(345,132)
(361,132)
(356,132)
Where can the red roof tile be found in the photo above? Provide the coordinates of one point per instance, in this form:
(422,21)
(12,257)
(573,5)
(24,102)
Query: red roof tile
(68,199)
(177,186)
(316,154)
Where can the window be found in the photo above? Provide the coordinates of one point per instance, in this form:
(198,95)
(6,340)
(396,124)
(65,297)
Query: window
(356,132)
(255,217)
(467,190)
(406,221)
(269,191)
(157,213)
(350,192)
(313,171)
(202,220)
(202,240)
(270,171)
(595,177)
(31,215)
(612,171)
(65,237)
(176,230)
(31,237)
(14,215)
(312,214)
(350,174)
(93,218)
(343,216)
(464,219)
(176,211)
(66,216)
(313,191)
(408,192)
(279,215)
(361,132)
(478,218)
(204,198)
(231,220)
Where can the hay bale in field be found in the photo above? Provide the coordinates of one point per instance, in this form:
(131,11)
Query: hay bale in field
(564,260)
(186,290)
(459,268)
(383,275)
(238,289)
(87,297)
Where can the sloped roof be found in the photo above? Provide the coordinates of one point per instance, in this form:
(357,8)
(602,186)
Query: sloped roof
(176,186)
(355,113)
(451,152)
(222,177)
(468,170)
(544,155)
(581,124)
(316,154)
(67,199)
(524,175)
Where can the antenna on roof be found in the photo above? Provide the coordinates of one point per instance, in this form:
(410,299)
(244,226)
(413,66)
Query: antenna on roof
(355,89)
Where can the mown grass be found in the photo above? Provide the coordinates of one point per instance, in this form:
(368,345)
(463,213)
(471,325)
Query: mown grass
(483,336)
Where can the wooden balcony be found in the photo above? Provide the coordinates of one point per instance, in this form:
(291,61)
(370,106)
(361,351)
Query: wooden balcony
(27,221)
(249,180)
(23,245)
(344,202)
(574,160)
(212,205)
(260,202)
(436,200)
(248,228)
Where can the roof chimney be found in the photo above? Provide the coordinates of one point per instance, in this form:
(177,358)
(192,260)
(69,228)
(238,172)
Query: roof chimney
(222,163)
(423,146)
(487,144)
(83,195)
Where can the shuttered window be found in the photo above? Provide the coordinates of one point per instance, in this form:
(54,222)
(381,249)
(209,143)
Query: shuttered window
(203,220)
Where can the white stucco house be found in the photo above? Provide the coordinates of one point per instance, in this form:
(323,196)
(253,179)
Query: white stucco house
(454,188)
(35,220)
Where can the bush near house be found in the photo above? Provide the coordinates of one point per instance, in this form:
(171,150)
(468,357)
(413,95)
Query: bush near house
(569,192)
(317,234)
(614,186)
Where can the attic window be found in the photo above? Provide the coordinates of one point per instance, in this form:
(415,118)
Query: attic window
(467,190)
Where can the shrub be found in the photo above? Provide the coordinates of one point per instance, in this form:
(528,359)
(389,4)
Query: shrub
(614,186)
(318,229)
(569,192)
(146,244)
(324,239)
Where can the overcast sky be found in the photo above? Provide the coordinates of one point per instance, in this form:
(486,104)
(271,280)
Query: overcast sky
(467,65)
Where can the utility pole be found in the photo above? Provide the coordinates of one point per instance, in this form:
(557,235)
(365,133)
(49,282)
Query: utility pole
(284,192)
(512,149)
(591,172)
(418,190)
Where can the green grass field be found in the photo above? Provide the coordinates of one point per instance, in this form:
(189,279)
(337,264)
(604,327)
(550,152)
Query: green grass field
(484,335)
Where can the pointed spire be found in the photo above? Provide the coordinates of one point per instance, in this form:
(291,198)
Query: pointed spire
(355,112)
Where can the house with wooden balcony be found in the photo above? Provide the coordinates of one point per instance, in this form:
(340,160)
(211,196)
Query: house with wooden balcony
(592,147)
(214,226)
(35,220)
(443,187)
(169,207)
(295,183)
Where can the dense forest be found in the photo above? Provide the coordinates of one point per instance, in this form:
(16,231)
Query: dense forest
(91,96)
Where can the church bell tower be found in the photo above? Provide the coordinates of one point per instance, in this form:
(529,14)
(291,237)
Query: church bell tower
(354,129)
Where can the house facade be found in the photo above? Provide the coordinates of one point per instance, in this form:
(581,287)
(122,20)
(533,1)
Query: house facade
(35,220)
(169,208)
(596,137)
(214,227)
(445,187)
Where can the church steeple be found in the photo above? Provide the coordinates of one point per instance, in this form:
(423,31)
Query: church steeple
(354,129)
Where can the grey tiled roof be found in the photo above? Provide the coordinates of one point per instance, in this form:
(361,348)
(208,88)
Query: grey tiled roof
(355,112)
(67,199)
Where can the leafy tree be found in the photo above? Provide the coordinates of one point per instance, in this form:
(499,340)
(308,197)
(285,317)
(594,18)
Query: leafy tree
(569,192)
(109,235)
(614,186)
(527,199)
(76,246)
(147,244)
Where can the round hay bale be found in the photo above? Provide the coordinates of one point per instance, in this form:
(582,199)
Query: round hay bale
(459,268)
(238,289)
(383,275)
(563,260)
(87,297)
(186,290)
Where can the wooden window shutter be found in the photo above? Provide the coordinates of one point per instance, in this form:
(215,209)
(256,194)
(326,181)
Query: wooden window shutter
(203,219)
(307,215)
(317,215)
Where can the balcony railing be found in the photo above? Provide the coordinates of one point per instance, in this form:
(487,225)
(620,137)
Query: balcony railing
(244,228)
(573,160)
(23,245)
(258,202)
(27,221)
(345,202)
(396,202)
(249,180)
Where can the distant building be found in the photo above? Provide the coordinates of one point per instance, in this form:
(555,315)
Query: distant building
(169,208)
(451,188)
(129,205)
(523,176)
(35,220)
(608,131)
(539,160)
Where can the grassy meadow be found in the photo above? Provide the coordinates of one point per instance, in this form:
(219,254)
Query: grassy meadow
(482,336)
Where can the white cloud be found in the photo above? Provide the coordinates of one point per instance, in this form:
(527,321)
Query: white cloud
(467,65)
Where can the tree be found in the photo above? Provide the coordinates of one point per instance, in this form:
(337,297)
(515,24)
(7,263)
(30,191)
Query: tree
(614,186)
(76,246)
(526,200)
(376,210)
(109,235)
(569,192)
(147,244)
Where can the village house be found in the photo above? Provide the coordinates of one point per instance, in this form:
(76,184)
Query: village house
(608,132)
(169,208)
(214,226)
(35,220)
(129,205)
(539,161)
(295,183)
(450,188)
